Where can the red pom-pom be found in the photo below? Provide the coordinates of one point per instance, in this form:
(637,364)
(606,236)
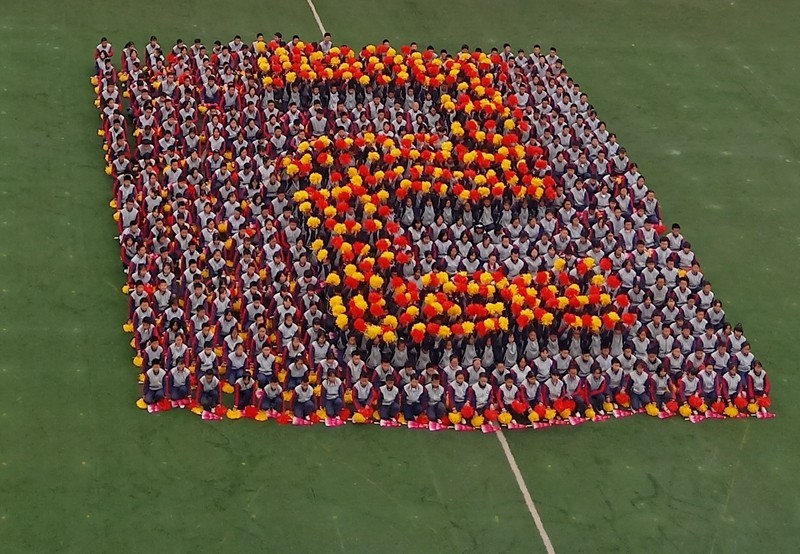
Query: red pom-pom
(622,398)
(518,407)
(220,410)
(345,413)
(718,406)
(468,411)
(672,406)
(490,414)
(540,410)
(740,402)
(695,402)
(765,402)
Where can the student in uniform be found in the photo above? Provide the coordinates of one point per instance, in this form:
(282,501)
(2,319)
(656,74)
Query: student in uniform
(389,399)
(596,388)
(155,385)
(758,382)
(507,393)
(333,393)
(457,394)
(480,394)
(272,397)
(639,387)
(435,396)
(303,400)
(179,380)
(709,384)
(661,387)
(208,391)
(243,391)
(364,393)
(412,398)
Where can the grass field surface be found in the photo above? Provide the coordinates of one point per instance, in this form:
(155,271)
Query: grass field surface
(701,93)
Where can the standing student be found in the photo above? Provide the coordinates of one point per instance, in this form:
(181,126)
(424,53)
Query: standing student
(154,388)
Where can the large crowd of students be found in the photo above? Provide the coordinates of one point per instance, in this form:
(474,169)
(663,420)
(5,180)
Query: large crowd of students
(399,234)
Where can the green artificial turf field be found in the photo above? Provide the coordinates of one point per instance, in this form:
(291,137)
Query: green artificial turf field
(703,96)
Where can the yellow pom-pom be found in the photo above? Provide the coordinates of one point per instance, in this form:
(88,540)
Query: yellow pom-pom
(318,391)
(752,407)
(133,343)
(703,408)
(533,417)
(141,378)
(227,388)
(348,396)
(359,418)
(731,411)
(197,410)
(233,414)
(565,413)
(685,410)
(651,409)
(127,327)
(287,396)
(608,407)
(590,413)
(126,289)
(550,414)
(504,418)
(454,417)
(477,420)
(116,216)
(262,415)
(312,378)
(321,413)
(138,361)
(141,404)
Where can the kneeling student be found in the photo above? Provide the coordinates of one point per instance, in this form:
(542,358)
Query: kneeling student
(208,391)
(413,394)
(389,399)
(434,398)
(273,395)
(154,383)
(179,381)
(303,404)
(244,388)
(333,394)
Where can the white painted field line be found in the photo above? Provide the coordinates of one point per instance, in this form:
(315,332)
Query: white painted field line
(316,16)
(523,488)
